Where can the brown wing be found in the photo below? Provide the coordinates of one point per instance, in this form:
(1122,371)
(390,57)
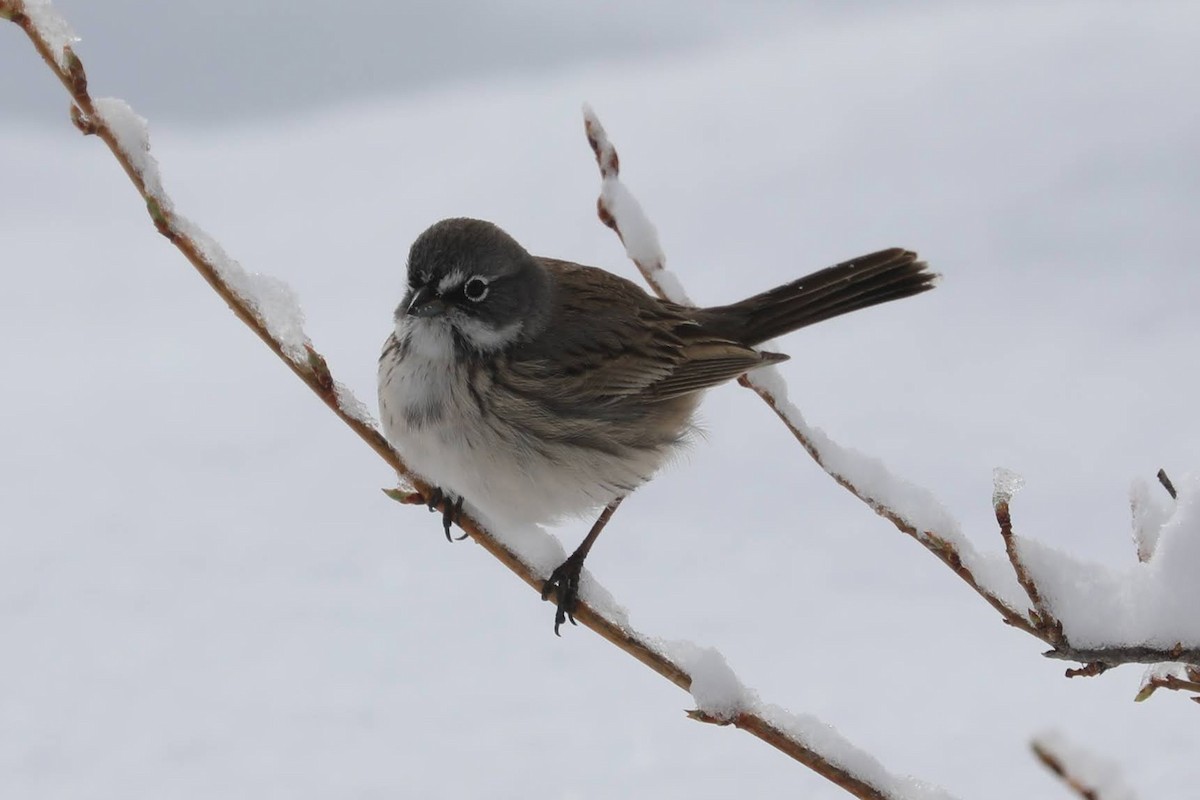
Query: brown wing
(608,343)
(707,365)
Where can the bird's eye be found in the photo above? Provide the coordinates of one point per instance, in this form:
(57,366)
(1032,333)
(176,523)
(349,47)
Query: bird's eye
(475,289)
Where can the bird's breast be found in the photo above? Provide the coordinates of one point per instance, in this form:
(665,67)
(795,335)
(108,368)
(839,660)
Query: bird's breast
(458,424)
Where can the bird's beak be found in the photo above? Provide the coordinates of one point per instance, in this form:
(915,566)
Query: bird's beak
(425,303)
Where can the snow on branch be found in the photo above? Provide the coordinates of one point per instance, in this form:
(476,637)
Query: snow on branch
(1088,775)
(620,210)
(1145,613)
(55,33)
(1083,611)
(1177,677)
(268,307)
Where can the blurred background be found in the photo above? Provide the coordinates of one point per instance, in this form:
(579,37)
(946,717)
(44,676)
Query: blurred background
(202,591)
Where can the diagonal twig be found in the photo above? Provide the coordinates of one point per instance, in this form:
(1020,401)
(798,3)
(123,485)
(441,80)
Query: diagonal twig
(1053,763)
(1087,775)
(311,368)
(619,210)
(1050,628)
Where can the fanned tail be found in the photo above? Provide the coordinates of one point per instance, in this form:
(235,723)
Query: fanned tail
(860,283)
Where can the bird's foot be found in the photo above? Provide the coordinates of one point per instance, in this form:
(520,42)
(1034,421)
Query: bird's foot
(564,583)
(451,510)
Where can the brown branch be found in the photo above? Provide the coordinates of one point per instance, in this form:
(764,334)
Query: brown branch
(1174,683)
(609,163)
(1177,684)
(757,726)
(1055,765)
(315,373)
(1049,628)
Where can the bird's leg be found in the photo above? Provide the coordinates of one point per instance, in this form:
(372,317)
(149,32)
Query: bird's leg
(451,510)
(564,580)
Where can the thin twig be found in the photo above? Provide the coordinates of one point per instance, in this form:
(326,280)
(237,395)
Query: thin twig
(1050,628)
(652,270)
(315,373)
(1055,765)
(1171,682)
(1166,483)
(1089,670)
(1176,684)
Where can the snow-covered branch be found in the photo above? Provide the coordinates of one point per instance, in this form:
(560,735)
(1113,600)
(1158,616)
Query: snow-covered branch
(1084,612)
(1146,613)
(265,304)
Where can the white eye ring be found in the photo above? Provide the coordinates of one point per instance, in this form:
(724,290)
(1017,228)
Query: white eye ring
(475,289)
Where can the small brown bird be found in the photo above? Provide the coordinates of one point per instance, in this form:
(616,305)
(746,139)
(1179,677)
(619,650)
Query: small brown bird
(534,388)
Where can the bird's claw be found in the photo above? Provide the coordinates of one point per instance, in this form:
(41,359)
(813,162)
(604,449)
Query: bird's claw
(451,513)
(564,582)
(451,510)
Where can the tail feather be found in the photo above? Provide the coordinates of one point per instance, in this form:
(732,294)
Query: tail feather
(863,282)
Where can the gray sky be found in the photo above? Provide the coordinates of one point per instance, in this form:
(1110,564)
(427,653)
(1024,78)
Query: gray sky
(210,61)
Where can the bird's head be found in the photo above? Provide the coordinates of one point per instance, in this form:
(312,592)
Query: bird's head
(469,278)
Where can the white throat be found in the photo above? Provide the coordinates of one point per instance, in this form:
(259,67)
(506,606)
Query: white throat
(433,339)
(486,339)
(427,339)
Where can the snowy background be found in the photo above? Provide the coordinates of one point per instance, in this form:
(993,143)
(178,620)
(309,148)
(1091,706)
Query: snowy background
(202,590)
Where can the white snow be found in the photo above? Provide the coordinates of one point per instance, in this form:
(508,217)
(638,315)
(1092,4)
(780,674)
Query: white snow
(133,137)
(271,299)
(720,693)
(915,505)
(52,27)
(354,408)
(671,287)
(1095,773)
(835,748)
(638,234)
(715,688)
(1005,485)
(543,552)
(1150,507)
(1152,602)
(1173,592)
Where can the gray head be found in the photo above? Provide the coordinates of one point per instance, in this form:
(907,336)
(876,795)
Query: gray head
(471,279)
